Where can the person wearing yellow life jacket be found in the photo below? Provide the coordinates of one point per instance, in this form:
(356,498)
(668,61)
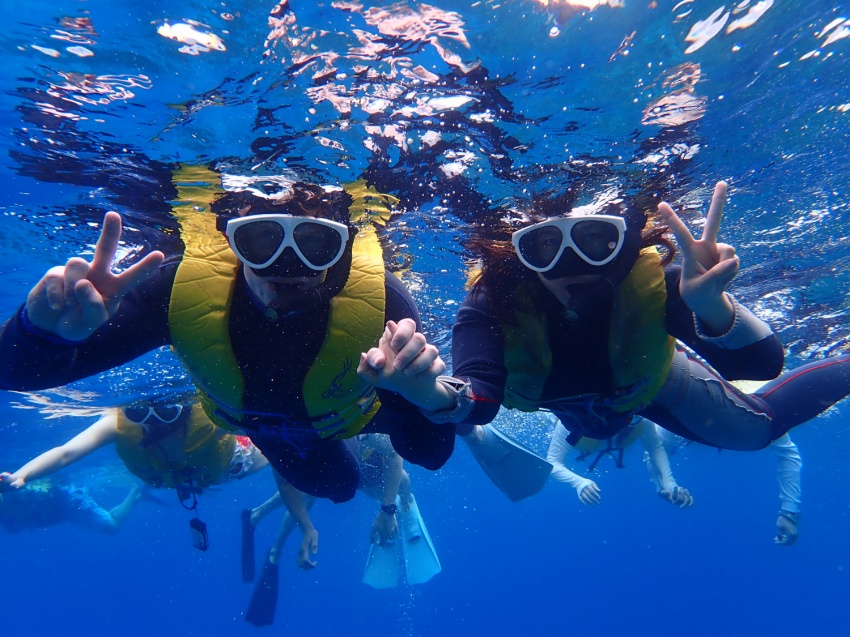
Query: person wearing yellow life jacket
(269,308)
(166,445)
(577,313)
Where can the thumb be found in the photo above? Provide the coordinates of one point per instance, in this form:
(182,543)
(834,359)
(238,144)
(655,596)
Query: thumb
(722,273)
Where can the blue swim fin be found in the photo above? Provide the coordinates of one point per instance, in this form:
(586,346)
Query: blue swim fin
(263,603)
(421,562)
(382,566)
(515,469)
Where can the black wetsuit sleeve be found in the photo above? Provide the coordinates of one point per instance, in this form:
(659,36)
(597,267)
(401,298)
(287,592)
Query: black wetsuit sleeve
(34,360)
(413,436)
(761,360)
(478,355)
(399,303)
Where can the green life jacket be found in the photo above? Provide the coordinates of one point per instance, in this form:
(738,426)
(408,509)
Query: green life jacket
(639,349)
(338,402)
(195,452)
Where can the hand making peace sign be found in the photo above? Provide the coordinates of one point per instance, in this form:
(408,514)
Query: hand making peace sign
(73,300)
(707,266)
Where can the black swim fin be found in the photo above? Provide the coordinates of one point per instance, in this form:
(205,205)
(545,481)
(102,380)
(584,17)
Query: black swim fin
(263,603)
(249,568)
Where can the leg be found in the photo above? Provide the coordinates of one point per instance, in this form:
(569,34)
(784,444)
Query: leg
(286,527)
(700,405)
(804,392)
(258,513)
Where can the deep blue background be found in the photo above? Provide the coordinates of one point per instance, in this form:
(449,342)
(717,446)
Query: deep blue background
(635,565)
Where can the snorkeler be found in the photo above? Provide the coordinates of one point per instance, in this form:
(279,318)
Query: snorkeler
(165,444)
(44,503)
(269,308)
(579,314)
(594,451)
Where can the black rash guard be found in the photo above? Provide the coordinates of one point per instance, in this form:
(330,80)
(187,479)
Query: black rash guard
(579,345)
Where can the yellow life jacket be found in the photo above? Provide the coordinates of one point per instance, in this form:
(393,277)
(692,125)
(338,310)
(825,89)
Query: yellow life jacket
(639,349)
(196,453)
(338,402)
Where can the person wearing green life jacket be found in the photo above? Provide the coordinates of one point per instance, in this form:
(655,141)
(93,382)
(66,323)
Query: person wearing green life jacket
(269,308)
(577,312)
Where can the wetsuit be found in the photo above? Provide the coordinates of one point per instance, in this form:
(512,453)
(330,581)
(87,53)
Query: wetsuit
(274,358)
(694,402)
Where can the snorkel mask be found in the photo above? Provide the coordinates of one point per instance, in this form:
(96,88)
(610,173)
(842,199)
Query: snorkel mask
(297,230)
(579,244)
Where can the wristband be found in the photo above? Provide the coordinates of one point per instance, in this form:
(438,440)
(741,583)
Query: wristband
(389,509)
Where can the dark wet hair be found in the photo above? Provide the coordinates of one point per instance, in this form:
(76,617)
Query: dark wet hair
(304,200)
(502,275)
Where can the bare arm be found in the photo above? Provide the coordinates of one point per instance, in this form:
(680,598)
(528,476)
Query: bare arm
(101,433)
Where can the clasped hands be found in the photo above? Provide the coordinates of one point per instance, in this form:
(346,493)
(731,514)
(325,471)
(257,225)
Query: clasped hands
(405,363)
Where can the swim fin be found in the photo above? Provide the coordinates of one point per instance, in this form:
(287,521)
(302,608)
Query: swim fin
(263,603)
(249,568)
(382,566)
(420,557)
(515,469)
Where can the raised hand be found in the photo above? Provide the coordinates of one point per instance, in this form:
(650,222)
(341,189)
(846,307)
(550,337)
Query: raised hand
(707,266)
(73,300)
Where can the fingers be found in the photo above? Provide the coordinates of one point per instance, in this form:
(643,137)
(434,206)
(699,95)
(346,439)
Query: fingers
(137,273)
(721,274)
(371,363)
(590,495)
(715,213)
(428,361)
(93,312)
(401,333)
(53,286)
(684,498)
(76,270)
(408,349)
(683,236)
(107,243)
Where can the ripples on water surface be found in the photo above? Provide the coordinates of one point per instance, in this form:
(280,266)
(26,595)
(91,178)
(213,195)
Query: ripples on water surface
(456,108)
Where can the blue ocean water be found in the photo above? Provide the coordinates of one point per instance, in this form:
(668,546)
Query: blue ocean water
(455,107)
